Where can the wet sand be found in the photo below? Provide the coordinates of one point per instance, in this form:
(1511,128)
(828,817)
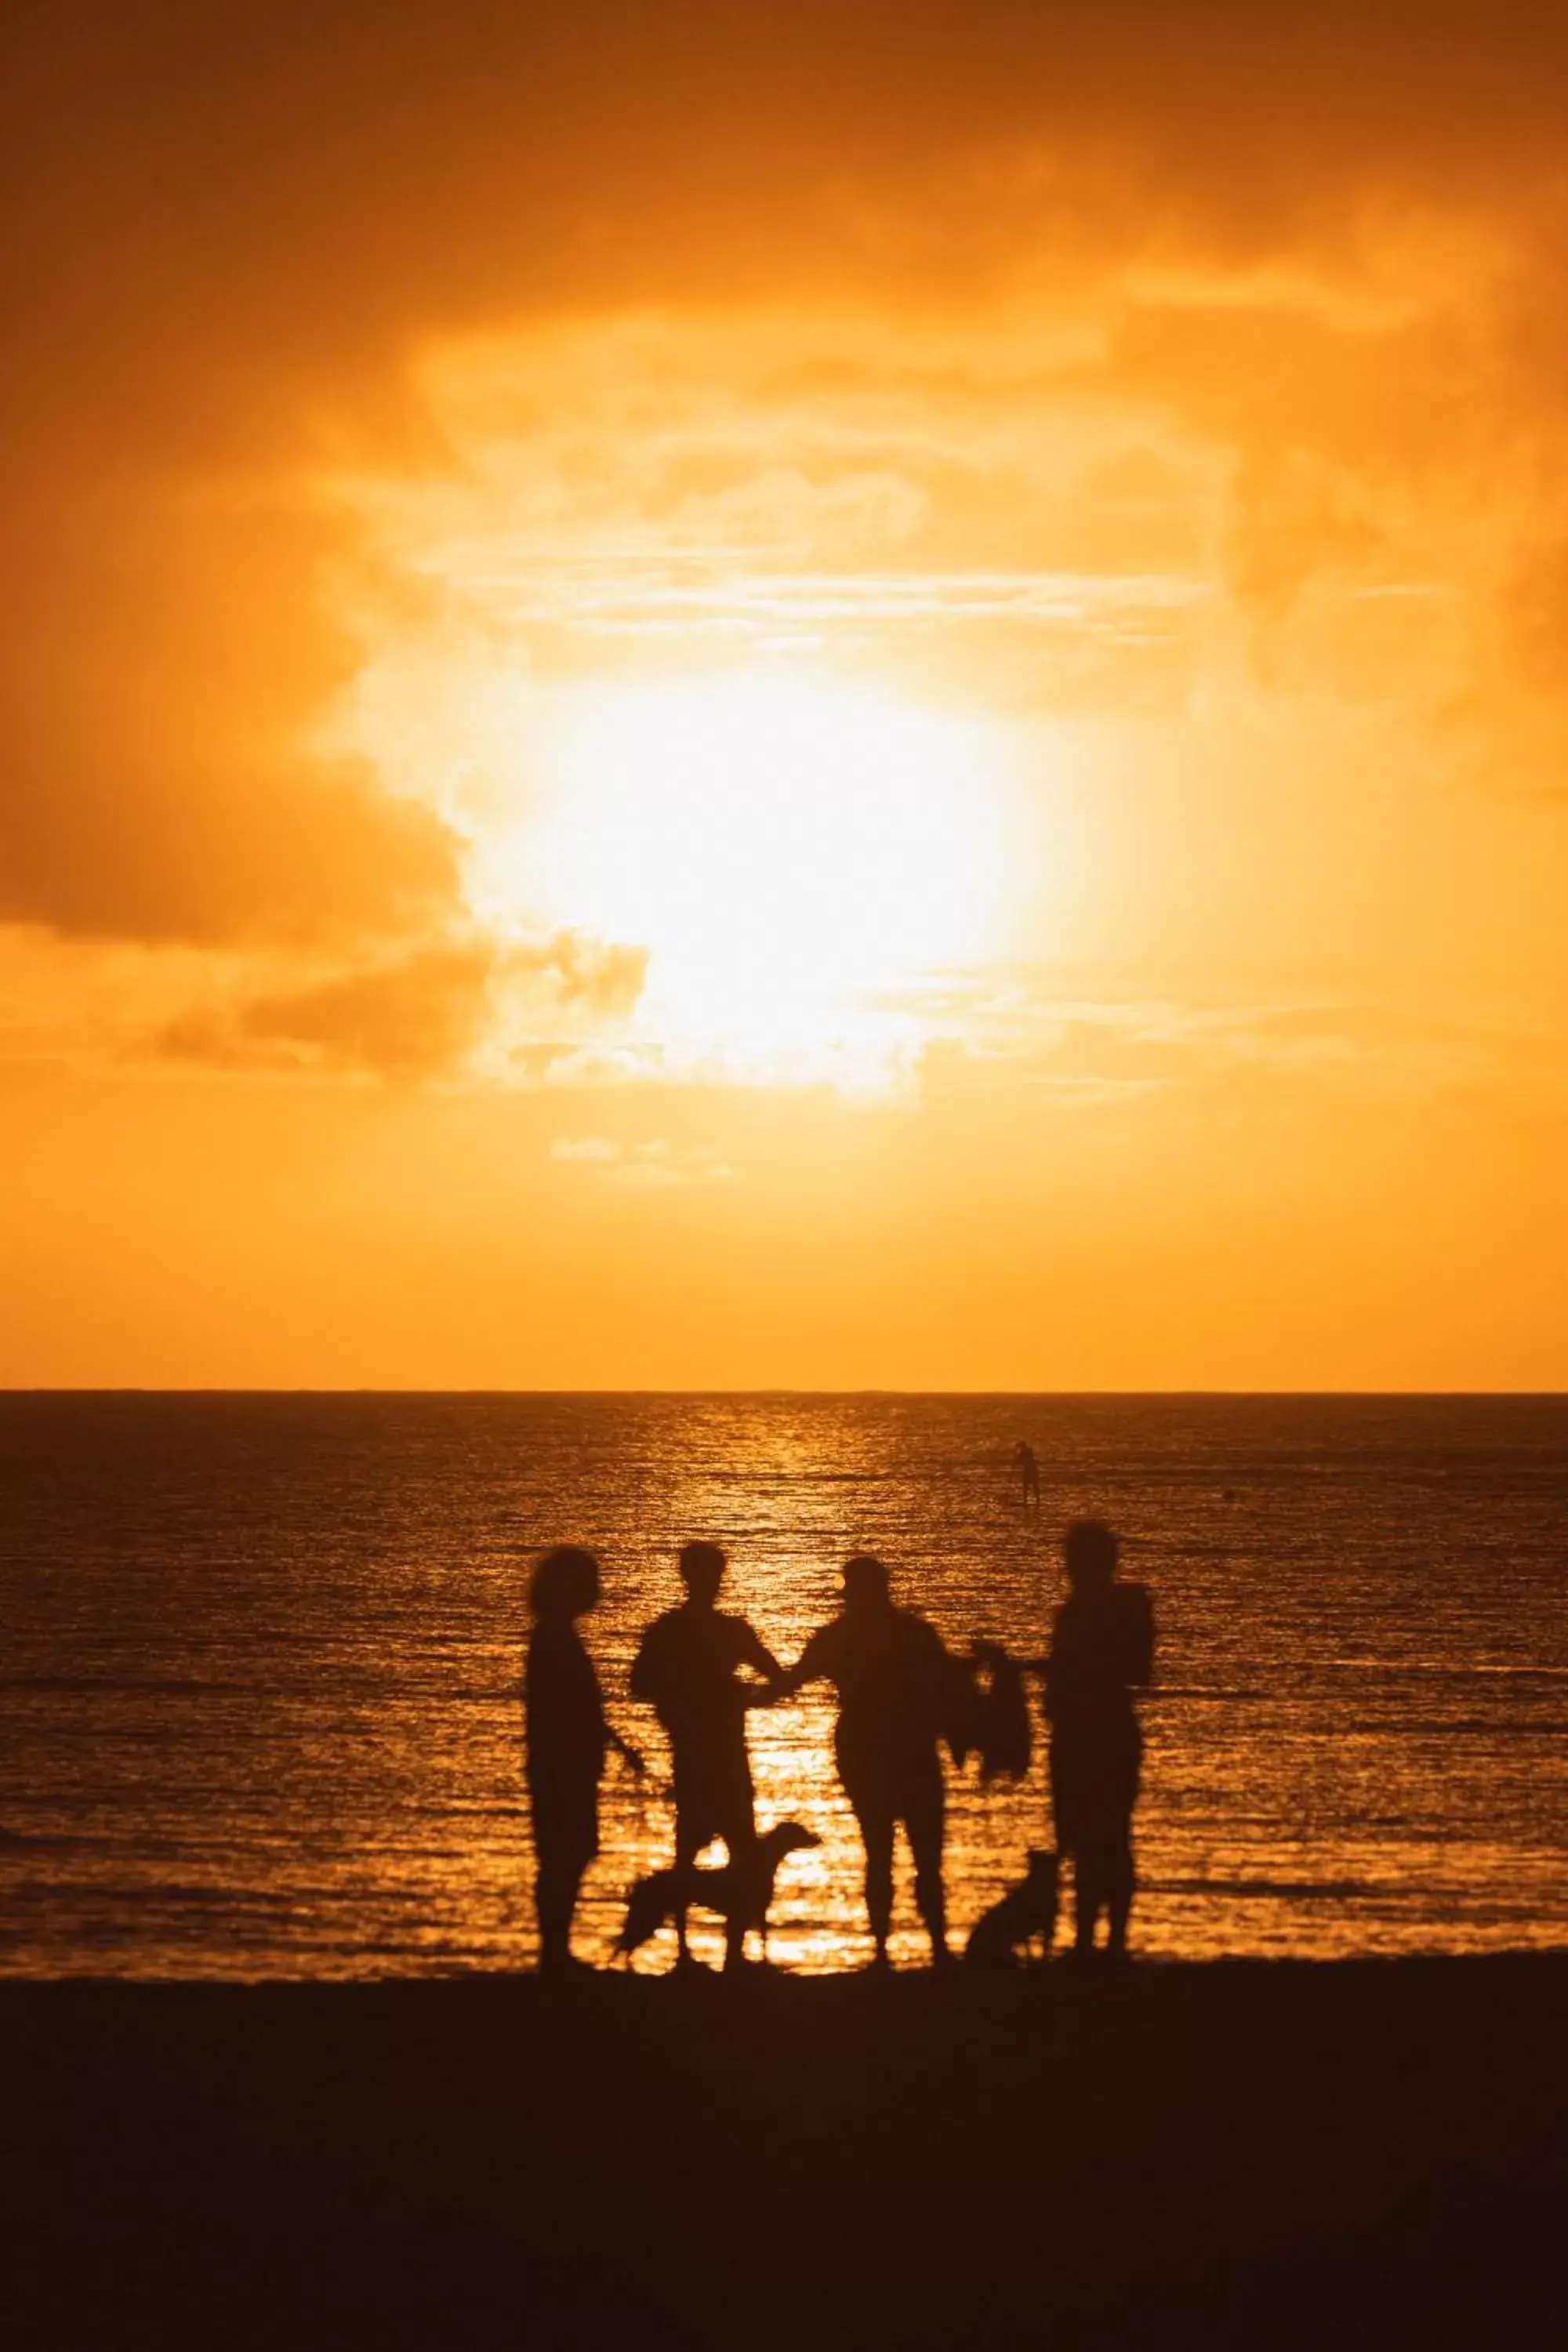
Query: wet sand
(1240,2154)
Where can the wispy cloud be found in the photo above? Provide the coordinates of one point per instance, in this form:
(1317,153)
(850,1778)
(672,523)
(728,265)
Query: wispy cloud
(651,1165)
(993,1036)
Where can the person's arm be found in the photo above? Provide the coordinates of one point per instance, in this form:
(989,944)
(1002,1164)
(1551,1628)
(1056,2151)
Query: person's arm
(607,1739)
(943,1671)
(1050,1669)
(811,1662)
(997,1654)
(753,1652)
(644,1683)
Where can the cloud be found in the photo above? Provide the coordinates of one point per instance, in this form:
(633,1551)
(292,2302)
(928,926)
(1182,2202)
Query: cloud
(966,499)
(1086,1050)
(598,975)
(166,658)
(1312,248)
(653,1165)
(429,1013)
(587,1151)
(411,1019)
(1293,487)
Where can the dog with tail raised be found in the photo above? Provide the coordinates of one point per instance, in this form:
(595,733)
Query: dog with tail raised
(740,1890)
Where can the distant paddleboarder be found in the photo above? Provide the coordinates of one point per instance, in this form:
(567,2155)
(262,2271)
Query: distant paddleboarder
(1028,1473)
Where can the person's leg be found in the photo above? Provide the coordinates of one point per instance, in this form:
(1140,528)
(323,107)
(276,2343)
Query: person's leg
(688,1843)
(1121,1875)
(565,1827)
(923,1820)
(1119,1883)
(734,1810)
(1089,1893)
(1069,1805)
(739,1831)
(560,1875)
(1096,1880)
(742,1795)
(877,1836)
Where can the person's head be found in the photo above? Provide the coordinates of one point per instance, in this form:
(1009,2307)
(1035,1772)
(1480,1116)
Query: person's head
(702,1568)
(865,1582)
(564,1583)
(1091,1553)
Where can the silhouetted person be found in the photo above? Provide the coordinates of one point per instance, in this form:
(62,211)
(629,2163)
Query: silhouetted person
(1102,1649)
(689,1670)
(895,1683)
(567,1732)
(1028,1473)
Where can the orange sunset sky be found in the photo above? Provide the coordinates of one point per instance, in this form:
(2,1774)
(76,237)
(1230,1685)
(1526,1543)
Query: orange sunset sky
(809,696)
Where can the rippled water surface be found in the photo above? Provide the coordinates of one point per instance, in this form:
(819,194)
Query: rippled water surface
(259,1660)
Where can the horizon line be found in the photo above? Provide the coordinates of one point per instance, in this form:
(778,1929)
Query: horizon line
(131,1389)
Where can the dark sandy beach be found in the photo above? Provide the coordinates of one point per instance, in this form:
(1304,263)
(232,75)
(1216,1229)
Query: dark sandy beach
(1246,2154)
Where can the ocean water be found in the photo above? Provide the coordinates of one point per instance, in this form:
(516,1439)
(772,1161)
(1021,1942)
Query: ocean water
(260,1659)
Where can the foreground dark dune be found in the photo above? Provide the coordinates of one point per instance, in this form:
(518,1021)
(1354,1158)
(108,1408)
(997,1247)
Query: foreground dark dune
(1369,2154)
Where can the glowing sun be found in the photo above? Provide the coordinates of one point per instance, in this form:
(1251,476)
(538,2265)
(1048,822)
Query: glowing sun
(793,854)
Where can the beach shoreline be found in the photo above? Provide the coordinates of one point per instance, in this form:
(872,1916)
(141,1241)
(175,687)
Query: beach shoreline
(1235,2152)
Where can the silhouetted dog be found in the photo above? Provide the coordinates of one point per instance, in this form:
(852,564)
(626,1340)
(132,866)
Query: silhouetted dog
(740,1890)
(1025,1911)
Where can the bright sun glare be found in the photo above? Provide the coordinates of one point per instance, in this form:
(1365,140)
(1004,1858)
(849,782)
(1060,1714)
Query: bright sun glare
(795,856)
